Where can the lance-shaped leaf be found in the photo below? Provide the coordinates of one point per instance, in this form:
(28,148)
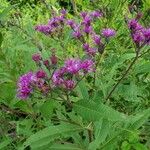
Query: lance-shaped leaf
(45,136)
(92,111)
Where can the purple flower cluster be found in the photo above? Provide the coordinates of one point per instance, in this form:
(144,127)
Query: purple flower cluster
(63,77)
(72,65)
(84,28)
(74,68)
(140,35)
(30,81)
(56,23)
(84,32)
(25,85)
(89,50)
(108,33)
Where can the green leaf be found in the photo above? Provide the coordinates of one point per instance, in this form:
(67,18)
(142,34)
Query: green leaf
(102,130)
(47,108)
(1,39)
(139,146)
(4,143)
(23,105)
(51,133)
(92,111)
(4,13)
(98,95)
(143,68)
(83,90)
(125,146)
(138,120)
(65,147)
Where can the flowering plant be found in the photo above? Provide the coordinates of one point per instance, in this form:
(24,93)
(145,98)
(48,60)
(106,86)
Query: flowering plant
(74,70)
(64,81)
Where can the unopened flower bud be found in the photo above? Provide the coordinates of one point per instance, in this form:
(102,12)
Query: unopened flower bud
(46,63)
(36,57)
(139,15)
(53,59)
(41,74)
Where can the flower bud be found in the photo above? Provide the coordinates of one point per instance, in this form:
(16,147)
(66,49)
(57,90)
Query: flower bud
(41,74)
(139,15)
(36,57)
(46,63)
(53,59)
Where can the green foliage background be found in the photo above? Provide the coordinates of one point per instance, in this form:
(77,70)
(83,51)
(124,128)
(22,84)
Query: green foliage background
(121,123)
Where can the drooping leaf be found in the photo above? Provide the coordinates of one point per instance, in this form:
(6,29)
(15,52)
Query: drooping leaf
(102,130)
(1,39)
(47,108)
(65,147)
(83,89)
(4,143)
(92,111)
(51,133)
(138,120)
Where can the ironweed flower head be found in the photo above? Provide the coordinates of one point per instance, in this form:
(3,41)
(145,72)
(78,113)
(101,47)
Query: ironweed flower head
(96,14)
(97,39)
(69,84)
(77,33)
(87,29)
(138,38)
(71,23)
(87,65)
(63,11)
(87,21)
(134,25)
(83,14)
(139,15)
(57,77)
(44,29)
(86,46)
(139,34)
(72,65)
(146,33)
(25,85)
(108,33)
(89,50)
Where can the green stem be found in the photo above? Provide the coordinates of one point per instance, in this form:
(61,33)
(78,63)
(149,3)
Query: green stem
(97,64)
(123,76)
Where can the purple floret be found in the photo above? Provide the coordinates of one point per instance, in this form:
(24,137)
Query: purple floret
(134,25)
(138,37)
(108,32)
(44,29)
(73,65)
(97,39)
(25,85)
(69,84)
(146,33)
(96,14)
(87,65)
